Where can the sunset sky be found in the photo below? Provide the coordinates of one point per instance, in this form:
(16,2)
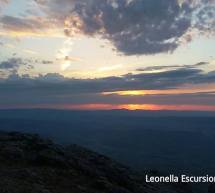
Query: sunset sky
(107,54)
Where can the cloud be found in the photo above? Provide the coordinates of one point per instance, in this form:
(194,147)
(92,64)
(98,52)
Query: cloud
(164,67)
(134,27)
(34,26)
(54,88)
(138,27)
(52,78)
(142,81)
(47,62)
(12,65)
(204,18)
(3,2)
(15,23)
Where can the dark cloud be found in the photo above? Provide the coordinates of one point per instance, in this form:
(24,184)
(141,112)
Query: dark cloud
(135,26)
(56,89)
(204,17)
(33,98)
(138,27)
(58,84)
(206,98)
(11,63)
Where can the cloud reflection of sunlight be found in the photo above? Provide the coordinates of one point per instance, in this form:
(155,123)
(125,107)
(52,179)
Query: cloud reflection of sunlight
(64,52)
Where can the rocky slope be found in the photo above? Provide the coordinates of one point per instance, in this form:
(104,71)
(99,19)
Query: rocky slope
(29,164)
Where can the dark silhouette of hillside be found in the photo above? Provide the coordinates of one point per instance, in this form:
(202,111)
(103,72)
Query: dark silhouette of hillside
(29,164)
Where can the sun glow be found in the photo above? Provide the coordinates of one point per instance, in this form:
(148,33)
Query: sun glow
(186,90)
(133,107)
(130,92)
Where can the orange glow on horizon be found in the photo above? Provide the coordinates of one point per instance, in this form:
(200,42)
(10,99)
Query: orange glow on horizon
(154,107)
(132,107)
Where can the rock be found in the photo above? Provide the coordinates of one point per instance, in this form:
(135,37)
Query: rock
(12,152)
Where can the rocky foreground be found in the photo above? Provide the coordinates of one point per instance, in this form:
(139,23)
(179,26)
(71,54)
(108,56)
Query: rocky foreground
(29,164)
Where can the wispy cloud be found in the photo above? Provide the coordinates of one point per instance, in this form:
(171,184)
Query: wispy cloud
(2,3)
(28,26)
(165,67)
